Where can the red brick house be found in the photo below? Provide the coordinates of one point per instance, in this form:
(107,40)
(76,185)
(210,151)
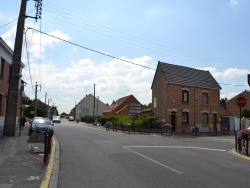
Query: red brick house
(121,106)
(232,106)
(5,64)
(185,97)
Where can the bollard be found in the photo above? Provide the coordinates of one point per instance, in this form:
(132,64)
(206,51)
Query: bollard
(45,148)
(247,145)
(235,134)
(239,144)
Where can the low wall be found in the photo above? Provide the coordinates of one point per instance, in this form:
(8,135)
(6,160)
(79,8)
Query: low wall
(2,118)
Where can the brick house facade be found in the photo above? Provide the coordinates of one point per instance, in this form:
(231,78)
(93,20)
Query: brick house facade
(5,65)
(185,97)
(121,106)
(232,106)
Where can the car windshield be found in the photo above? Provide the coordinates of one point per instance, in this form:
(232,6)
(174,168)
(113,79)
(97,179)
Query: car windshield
(42,121)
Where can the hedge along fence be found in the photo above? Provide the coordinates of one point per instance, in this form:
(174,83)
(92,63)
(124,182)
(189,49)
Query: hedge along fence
(122,120)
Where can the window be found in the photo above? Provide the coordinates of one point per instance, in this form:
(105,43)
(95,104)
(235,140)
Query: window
(1,67)
(204,118)
(185,117)
(204,98)
(184,96)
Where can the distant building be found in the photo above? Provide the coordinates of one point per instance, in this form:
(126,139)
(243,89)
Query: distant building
(49,111)
(5,64)
(121,106)
(85,107)
(232,106)
(185,97)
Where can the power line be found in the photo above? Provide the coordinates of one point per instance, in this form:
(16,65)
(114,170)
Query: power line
(113,57)
(147,40)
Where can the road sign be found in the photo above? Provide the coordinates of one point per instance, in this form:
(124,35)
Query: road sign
(241,101)
(135,108)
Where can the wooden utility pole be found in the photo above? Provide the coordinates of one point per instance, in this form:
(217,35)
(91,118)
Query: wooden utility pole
(15,76)
(94,107)
(15,69)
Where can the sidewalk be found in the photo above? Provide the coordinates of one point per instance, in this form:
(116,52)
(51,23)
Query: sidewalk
(20,166)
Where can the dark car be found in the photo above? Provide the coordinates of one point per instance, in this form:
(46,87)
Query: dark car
(44,124)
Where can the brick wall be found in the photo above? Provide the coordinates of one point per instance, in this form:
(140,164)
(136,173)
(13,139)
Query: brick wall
(4,83)
(232,106)
(169,100)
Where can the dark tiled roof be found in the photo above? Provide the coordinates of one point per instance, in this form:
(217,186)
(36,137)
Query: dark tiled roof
(188,76)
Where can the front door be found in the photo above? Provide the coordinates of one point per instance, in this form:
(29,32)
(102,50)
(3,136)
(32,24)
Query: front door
(173,120)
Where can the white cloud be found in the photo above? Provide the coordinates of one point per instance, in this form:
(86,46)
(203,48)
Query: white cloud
(225,74)
(234,2)
(113,79)
(33,39)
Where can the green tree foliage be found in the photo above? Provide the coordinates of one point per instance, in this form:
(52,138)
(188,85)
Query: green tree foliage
(64,114)
(27,100)
(39,112)
(149,105)
(223,102)
(246,113)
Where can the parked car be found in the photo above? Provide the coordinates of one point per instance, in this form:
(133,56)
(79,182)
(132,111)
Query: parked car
(31,120)
(71,118)
(56,119)
(43,123)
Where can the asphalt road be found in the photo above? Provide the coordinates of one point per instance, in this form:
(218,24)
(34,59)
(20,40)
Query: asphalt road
(96,158)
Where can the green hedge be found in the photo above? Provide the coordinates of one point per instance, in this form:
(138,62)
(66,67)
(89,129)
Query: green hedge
(121,120)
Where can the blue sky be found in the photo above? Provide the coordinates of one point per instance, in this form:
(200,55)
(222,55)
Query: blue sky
(210,34)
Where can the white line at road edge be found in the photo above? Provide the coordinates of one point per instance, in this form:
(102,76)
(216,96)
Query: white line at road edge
(179,147)
(127,147)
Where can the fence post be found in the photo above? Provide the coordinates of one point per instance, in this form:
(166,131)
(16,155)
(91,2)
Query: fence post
(239,144)
(235,135)
(247,144)
(45,148)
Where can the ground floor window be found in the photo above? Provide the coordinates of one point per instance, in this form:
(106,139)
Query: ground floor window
(185,118)
(204,118)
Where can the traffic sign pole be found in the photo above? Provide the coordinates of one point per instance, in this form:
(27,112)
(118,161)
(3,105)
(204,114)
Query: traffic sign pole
(241,102)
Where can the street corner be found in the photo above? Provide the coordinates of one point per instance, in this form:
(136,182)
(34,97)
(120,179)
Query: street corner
(239,155)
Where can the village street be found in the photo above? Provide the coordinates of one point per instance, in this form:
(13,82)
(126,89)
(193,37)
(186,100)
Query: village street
(92,157)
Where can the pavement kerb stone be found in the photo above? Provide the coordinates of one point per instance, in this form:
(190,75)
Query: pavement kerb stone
(240,155)
(50,167)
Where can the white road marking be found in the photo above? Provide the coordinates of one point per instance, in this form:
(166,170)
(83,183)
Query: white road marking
(179,147)
(174,170)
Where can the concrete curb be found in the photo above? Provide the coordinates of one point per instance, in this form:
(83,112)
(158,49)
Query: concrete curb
(51,174)
(239,155)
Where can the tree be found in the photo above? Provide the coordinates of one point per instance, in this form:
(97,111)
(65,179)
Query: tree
(223,102)
(27,100)
(64,114)
(246,113)
(149,105)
